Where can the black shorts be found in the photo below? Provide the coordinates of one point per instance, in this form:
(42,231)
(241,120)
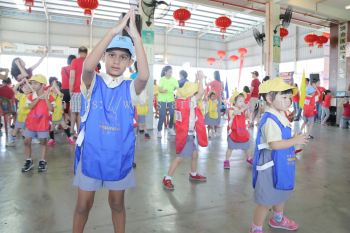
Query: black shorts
(66,96)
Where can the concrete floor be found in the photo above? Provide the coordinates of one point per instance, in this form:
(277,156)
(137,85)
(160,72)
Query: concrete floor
(33,203)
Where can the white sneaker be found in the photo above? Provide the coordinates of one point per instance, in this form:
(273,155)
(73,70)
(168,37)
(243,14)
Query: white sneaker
(35,141)
(11,143)
(159,134)
(172,132)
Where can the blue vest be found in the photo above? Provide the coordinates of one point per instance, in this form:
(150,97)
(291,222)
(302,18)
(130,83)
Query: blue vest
(284,160)
(108,145)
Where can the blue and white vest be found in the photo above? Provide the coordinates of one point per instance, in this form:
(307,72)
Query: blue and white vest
(106,142)
(283,161)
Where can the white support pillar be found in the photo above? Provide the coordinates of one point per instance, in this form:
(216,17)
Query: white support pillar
(273,41)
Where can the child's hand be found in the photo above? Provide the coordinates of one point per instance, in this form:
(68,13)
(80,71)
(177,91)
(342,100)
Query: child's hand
(200,75)
(122,24)
(301,139)
(132,29)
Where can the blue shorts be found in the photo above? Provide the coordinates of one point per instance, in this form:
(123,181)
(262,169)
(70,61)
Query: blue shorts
(90,184)
(20,125)
(232,145)
(190,147)
(141,119)
(309,120)
(36,134)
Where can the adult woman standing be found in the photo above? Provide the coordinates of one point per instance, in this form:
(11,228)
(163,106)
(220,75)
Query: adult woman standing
(166,88)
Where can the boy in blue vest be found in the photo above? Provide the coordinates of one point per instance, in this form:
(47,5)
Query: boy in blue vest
(106,142)
(274,157)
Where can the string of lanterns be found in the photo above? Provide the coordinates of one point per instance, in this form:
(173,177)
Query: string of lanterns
(312,39)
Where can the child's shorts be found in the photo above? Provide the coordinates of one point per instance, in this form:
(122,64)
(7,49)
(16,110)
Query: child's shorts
(20,125)
(232,145)
(90,184)
(141,119)
(210,121)
(36,134)
(309,120)
(190,147)
(264,193)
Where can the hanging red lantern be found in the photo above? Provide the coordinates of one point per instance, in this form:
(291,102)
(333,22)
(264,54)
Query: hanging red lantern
(283,33)
(211,60)
(310,39)
(221,54)
(326,34)
(182,15)
(88,6)
(30,4)
(321,40)
(233,58)
(223,22)
(242,51)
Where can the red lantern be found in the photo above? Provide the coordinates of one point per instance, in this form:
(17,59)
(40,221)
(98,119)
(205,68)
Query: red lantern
(326,34)
(221,54)
(30,4)
(211,60)
(182,15)
(283,33)
(321,40)
(310,39)
(242,51)
(233,58)
(88,6)
(223,22)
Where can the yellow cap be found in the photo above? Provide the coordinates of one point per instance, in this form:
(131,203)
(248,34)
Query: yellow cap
(276,85)
(188,90)
(39,78)
(235,93)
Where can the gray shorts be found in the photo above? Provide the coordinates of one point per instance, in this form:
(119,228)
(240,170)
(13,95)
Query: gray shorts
(309,120)
(141,119)
(252,103)
(265,193)
(20,125)
(232,145)
(90,184)
(36,134)
(75,102)
(190,147)
(210,121)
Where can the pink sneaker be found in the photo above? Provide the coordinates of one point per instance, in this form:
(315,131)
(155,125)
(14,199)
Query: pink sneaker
(285,224)
(258,231)
(71,140)
(227,164)
(51,142)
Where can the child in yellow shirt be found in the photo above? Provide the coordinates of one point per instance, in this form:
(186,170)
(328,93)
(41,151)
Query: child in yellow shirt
(22,90)
(57,115)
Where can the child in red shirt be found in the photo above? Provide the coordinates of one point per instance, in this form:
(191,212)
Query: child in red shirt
(345,119)
(326,103)
(37,121)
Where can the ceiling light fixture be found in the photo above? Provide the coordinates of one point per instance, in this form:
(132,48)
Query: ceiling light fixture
(20,5)
(347,7)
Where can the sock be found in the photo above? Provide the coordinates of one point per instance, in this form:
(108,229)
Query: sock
(168,177)
(277,216)
(67,131)
(256,228)
(193,173)
(52,136)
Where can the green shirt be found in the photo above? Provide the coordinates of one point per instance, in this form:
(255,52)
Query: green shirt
(170,84)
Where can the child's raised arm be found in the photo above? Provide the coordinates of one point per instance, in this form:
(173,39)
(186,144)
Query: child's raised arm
(200,77)
(142,64)
(94,57)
